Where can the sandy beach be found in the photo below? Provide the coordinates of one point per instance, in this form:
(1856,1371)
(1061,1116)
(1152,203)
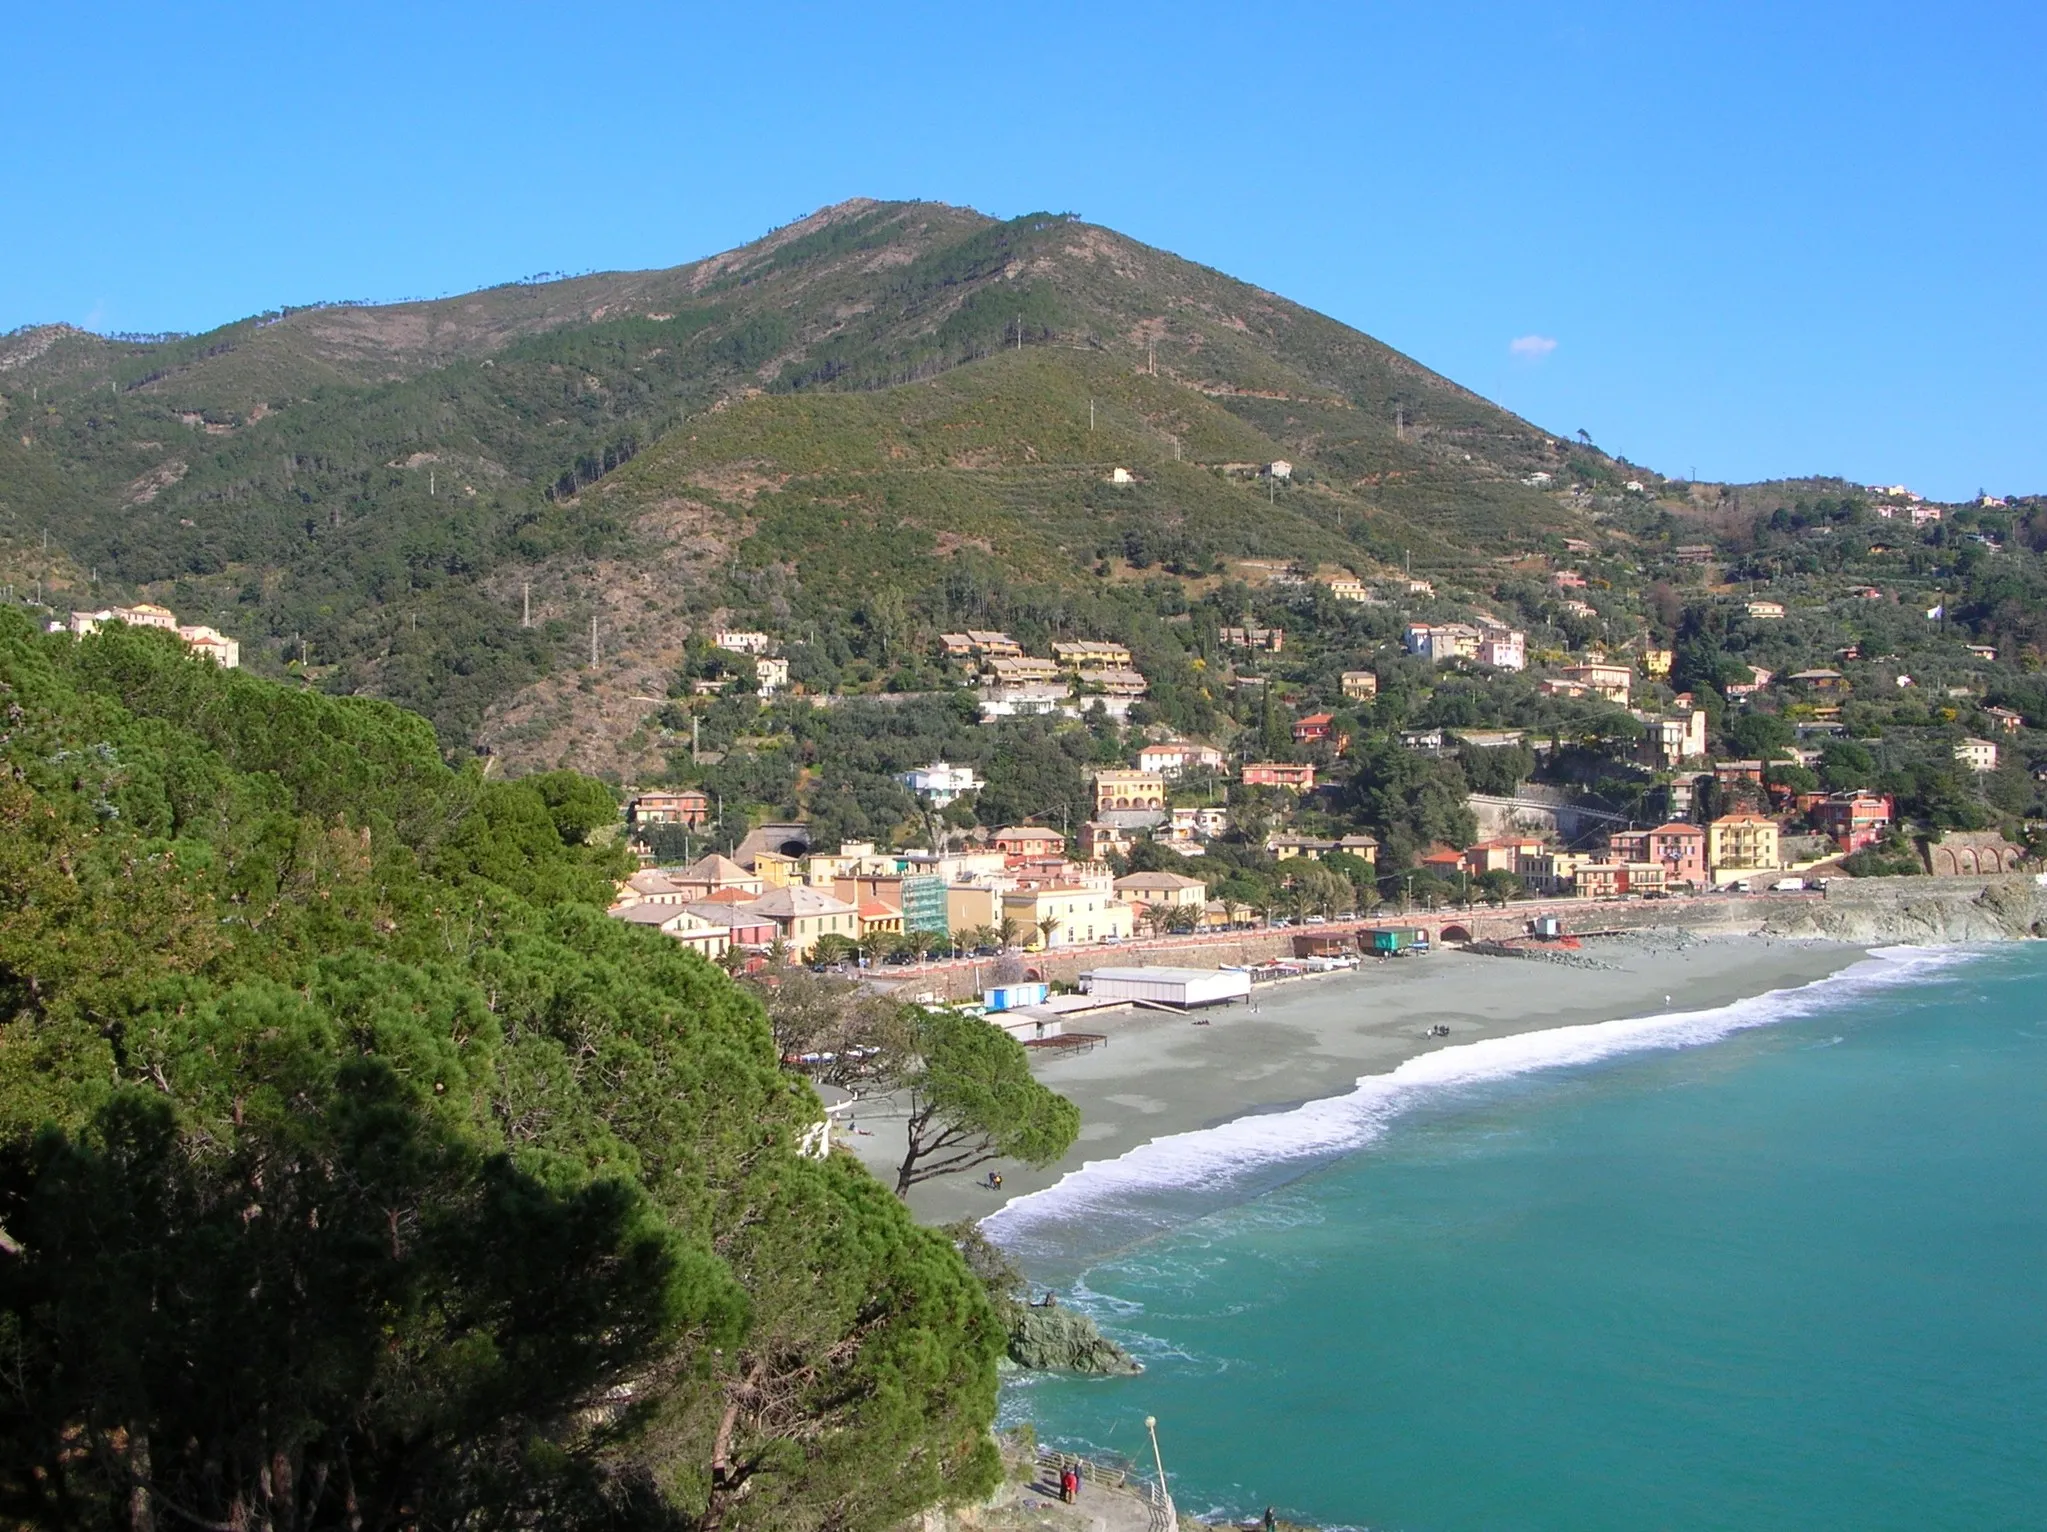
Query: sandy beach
(1311,1038)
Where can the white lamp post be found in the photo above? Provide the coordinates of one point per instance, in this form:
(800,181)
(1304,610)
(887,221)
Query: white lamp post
(1151,1424)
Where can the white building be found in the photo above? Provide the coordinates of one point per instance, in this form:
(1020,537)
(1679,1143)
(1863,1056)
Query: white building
(941,783)
(740,642)
(1504,649)
(770,675)
(1184,987)
(209,643)
(1176,757)
(1977,754)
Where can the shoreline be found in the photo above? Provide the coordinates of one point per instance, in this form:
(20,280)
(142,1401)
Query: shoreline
(1163,1074)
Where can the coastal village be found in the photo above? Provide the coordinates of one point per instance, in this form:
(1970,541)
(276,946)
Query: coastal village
(1644,766)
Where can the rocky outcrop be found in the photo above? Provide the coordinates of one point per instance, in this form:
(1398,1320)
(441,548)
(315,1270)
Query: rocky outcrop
(1920,912)
(1065,1340)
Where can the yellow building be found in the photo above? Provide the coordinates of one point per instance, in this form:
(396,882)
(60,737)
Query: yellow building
(801,915)
(1741,843)
(1074,915)
(1127,790)
(1162,888)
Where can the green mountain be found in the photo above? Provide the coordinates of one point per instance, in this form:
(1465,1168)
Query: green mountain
(867,406)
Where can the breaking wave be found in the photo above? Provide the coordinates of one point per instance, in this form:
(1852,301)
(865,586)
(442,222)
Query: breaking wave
(1172,1179)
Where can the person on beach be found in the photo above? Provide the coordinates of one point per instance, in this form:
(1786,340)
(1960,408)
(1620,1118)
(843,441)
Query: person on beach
(1069,1485)
(1271,1522)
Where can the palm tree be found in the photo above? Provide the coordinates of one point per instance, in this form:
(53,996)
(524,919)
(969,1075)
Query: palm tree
(1008,932)
(1158,919)
(1049,928)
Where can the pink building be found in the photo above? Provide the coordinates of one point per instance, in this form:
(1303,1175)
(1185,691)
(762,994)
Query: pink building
(1279,774)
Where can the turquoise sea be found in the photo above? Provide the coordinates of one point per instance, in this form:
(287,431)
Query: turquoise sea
(1778,1266)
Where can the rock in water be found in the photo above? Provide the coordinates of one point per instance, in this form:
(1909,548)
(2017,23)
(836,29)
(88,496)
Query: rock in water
(1066,1339)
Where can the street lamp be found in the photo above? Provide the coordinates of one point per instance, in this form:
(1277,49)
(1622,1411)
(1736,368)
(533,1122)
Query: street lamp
(1151,1424)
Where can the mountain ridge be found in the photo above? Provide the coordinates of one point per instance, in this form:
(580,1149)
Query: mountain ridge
(380,486)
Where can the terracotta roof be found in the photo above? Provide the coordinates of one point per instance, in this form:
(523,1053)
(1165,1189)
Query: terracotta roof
(796,903)
(715,869)
(1164,881)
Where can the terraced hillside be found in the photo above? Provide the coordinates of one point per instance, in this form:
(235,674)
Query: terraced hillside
(859,408)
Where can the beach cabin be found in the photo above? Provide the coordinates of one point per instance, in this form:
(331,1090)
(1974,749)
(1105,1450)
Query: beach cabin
(1394,940)
(1181,987)
(1008,997)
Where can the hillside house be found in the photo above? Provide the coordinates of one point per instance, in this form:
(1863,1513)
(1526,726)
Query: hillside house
(1270,639)
(1759,677)
(1279,468)
(1503,648)
(1977,754)
(1346,588)
(1098,838)
(770,675)
(1855,819)
(741,641)
(1123,791)
(2005,719)
(1176,757)
(1029,840)
(688,806)
(1018,670)
(1440,641)
(1360,685)
(1675,738)
(1315,728)
(1037,699)
(1767,611)
(1091,654)
(1287,774)
(1818,680)
(1126,684)
(1613,682)
(207,643)
(941,783)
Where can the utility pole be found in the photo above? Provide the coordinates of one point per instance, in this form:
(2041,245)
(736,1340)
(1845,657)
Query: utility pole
(1090,426)
(430,484)
(1019,332)
(593,640)
(1151,358)
(526,606)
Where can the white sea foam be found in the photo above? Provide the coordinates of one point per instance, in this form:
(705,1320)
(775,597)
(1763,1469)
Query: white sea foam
(1138,1189)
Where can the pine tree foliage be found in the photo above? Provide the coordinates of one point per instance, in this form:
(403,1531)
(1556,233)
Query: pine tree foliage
(356,1171)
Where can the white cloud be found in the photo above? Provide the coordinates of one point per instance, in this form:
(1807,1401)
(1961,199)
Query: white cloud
(1531,348)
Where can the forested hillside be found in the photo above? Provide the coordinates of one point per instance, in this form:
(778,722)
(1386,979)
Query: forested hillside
(375,489)
(356,1171)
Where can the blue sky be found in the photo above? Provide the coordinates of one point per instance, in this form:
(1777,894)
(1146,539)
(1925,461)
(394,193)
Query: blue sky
(1764,239)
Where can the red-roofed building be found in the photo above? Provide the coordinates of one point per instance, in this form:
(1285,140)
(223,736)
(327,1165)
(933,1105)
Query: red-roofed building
(1855,820)
(1030,840)
(1316,726)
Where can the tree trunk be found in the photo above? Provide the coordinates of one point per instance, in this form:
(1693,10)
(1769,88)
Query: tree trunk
(141,1512)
